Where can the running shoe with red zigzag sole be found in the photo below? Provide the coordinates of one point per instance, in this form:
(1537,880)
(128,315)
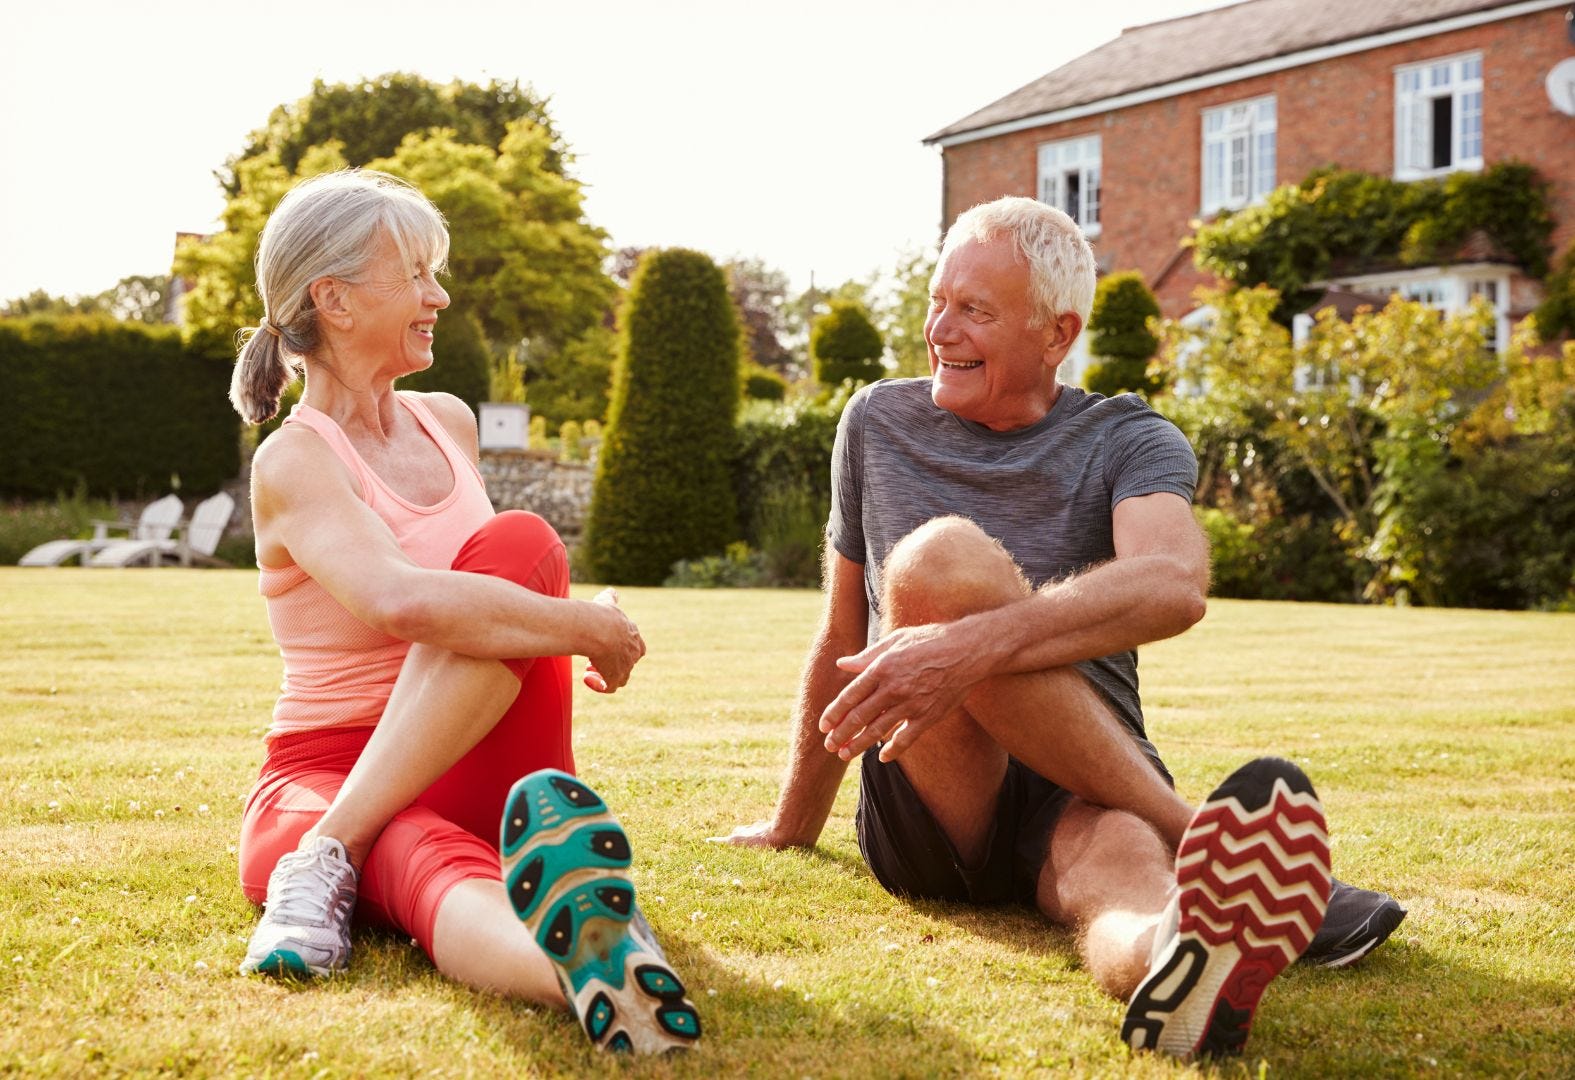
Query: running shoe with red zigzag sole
(1252,885)
(566,870)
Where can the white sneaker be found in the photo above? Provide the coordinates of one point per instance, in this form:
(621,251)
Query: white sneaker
(305,928)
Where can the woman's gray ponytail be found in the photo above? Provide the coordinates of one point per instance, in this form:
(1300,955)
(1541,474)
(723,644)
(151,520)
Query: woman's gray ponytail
(262,373)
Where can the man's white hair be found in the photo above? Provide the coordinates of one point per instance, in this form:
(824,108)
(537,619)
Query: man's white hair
(1060,262)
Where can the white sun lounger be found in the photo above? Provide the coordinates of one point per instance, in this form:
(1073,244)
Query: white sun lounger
(157,521)
(198,540)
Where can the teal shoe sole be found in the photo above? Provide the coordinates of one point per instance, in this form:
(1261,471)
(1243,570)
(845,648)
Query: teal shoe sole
(285,964)
(566,870)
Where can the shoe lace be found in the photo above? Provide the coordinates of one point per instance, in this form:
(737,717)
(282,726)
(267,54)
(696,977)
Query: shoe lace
(312,891)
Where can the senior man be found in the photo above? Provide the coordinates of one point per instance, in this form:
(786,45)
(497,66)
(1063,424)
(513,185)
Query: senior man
(999,546)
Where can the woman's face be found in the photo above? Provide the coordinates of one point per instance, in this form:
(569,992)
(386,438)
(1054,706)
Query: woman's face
(395,308)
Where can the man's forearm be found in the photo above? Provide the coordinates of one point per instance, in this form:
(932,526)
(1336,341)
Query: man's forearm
(1114,607)
(814,775)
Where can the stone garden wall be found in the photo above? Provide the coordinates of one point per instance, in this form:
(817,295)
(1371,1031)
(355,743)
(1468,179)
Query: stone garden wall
(536,480)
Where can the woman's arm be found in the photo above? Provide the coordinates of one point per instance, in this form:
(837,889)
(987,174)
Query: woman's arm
(306,510)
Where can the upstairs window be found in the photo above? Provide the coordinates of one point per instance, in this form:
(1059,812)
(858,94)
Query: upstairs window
(1238,154)
(1069,180)
(1438,117)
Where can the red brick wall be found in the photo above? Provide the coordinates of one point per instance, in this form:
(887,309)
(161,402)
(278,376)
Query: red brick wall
(1338,111)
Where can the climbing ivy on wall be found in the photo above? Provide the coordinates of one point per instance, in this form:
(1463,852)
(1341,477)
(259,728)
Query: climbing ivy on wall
(1343,221)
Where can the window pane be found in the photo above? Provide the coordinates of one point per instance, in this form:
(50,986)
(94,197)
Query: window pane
(1471,125)
(1213,121)
(1213,175)
(1266,111)
(1263,168)
(1238,169)
(1091,196)
(1441,158)
(1071,185)
(1411,81)
(1471,68)
(1439,75)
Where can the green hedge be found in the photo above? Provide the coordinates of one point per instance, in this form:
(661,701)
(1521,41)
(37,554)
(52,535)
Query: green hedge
(112,408)
(663,491)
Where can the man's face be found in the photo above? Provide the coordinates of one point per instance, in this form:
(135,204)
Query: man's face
(986,363)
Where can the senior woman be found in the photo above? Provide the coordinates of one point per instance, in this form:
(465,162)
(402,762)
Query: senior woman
(426,645)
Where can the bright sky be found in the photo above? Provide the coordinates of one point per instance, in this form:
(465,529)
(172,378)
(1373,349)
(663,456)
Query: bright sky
(791,134)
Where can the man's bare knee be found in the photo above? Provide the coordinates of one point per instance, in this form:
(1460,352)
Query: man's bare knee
(945,569)
(1101,859)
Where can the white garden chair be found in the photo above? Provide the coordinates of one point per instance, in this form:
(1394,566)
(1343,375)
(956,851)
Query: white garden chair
(198,539)
(157,520)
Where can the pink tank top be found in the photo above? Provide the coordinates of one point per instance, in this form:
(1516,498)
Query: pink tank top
(337,670)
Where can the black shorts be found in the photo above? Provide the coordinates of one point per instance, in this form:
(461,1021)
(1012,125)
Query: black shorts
(910,854)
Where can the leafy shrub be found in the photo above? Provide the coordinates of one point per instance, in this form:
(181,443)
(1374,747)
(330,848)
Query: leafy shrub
(536,437)
(663,490)
(508,380)
(845,345)
(119,407)
(239,551)
(1555,316)
(763,384)
(1119,335)
(23,526)
(789,526)
(572,383)
(1279,558)
(736,568)
(569,436)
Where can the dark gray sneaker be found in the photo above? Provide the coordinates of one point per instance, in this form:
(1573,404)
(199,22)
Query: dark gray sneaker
(1357,922)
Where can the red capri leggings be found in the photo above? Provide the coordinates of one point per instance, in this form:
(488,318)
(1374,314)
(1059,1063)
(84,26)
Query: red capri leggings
(450,833)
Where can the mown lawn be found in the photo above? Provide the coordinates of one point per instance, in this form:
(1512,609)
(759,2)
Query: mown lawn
(131,705)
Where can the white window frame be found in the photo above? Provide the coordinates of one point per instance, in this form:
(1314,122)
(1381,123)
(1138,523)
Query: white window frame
(1236,171)
(1074,367)
(1417,88)
(1450,289)
(1060,161)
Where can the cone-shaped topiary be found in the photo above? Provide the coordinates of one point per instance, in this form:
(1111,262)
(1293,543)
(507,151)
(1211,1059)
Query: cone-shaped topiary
(845,345)
(1119,336)
(663,483)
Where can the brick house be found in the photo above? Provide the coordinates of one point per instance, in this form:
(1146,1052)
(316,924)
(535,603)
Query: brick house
(1175,121)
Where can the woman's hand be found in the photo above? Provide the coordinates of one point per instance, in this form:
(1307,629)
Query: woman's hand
(620,649)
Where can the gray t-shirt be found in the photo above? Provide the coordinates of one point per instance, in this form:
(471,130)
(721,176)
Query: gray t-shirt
(1046,491)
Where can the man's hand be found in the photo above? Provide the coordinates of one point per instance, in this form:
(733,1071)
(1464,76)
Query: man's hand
(762,834)
(622,647)
(907,681)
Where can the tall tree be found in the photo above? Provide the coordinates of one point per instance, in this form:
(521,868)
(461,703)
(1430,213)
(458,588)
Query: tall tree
(760,293)
(370,118)
(524,261)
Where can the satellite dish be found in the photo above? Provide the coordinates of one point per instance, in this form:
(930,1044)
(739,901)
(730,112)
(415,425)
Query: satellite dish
(1561,86)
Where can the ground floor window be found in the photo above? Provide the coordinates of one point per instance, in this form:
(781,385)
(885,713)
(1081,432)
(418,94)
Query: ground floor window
(1450,289)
